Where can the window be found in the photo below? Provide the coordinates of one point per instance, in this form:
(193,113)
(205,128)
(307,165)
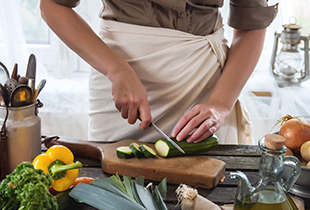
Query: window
(35,30)
(45,44)
(301,11)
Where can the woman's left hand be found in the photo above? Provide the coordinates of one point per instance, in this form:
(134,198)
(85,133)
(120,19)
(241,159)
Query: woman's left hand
(200,122)
(205,119)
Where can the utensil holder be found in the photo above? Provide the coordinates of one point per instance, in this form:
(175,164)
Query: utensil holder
(20,136)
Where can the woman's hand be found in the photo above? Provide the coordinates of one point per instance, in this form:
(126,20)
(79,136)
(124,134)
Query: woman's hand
(129,95)
(242,58)
(200,122)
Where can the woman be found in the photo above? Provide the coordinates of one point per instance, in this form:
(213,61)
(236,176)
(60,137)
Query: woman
(168,61)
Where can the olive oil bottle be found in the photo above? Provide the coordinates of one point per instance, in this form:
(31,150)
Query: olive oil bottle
(269,193)
(282,204)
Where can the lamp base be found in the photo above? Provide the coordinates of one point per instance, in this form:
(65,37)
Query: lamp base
(282,82)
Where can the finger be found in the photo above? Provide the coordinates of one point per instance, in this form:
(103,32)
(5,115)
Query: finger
(145,117)
(204,136)
(124,112)
(190,127)
(200,132)
(178,130)
(132,115)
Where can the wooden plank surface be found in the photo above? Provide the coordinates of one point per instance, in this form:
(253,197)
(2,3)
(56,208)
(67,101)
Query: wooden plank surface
(237,157)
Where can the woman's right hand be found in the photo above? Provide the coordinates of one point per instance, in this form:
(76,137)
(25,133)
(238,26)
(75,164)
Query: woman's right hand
(129,95)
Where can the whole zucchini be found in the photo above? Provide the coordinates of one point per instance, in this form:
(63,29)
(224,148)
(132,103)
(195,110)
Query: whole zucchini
(165,149)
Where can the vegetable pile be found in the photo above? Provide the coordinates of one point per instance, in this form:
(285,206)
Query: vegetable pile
(295,130)
(135,150)
(27,188)
(113,194)
(297,134)
(165,149)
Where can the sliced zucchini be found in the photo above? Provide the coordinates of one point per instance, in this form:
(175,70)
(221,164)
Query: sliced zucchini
(147,151)
(124,152)
(134,147)
(166,149)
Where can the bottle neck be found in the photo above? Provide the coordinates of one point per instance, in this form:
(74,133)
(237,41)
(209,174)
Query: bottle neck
(271,167)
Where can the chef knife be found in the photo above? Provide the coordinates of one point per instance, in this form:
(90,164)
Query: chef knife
(157,129)
(152,125)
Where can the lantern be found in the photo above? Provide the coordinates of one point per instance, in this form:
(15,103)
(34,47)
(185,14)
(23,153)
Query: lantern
(290,66)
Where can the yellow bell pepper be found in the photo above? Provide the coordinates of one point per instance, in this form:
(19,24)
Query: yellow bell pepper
(58,162)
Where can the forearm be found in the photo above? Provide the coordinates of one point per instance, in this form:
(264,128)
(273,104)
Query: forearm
(79,36)
(242,58)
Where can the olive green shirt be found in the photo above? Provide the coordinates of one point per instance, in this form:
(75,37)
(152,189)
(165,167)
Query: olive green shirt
(193,16)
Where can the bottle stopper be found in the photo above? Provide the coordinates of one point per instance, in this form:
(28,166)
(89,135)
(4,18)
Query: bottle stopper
(274,141)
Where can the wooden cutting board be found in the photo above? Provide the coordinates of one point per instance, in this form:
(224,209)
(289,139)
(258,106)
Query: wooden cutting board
(195,170)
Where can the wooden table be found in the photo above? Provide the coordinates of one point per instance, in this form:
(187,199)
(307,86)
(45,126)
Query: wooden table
(237,157)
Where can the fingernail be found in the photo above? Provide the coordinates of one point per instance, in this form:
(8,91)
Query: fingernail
(172,135)
(178,138)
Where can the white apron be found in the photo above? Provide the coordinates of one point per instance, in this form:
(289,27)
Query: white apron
(177,69)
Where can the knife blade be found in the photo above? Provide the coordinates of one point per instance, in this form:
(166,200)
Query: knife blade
(152,125)
(31,70)
(157,129)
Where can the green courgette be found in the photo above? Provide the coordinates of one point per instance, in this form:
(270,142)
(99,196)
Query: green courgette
(124,152)
(166,149)
(147,151)
(134,147)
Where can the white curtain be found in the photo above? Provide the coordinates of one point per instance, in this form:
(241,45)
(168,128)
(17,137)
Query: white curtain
(292,100)
(65,96)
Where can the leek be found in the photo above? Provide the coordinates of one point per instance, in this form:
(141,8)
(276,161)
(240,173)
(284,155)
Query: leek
(102,199)
(145,197)
(111,193)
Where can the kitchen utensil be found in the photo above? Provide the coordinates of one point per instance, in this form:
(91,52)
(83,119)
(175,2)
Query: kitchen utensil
(14,72)
(10,85)
(23,80)
(196,170)
(31,84)
(21,96)
(38,90)
(4,73)
(41,85)
(4,96)
(31,70)
(152,125)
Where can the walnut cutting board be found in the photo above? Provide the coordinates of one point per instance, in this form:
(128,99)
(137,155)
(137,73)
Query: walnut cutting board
(195,170)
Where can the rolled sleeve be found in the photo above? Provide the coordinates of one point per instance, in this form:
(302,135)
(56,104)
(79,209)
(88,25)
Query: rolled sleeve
(68,3)
(251,15)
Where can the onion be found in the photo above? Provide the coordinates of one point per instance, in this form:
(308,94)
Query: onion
(295,130)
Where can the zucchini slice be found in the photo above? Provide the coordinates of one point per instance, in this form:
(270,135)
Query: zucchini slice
(166,149)
(134,147)
(147,151)
(124,152)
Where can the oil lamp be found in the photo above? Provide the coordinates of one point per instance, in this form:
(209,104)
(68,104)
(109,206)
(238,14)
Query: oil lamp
(290,66)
